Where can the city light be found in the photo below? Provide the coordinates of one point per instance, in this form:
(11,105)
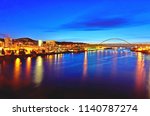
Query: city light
(61,49)
(40,42)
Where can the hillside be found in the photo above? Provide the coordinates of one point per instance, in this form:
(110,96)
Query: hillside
(25,40)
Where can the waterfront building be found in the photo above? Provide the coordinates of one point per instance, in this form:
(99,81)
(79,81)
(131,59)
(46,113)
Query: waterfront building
(51,43)
(7,42)
(1,43)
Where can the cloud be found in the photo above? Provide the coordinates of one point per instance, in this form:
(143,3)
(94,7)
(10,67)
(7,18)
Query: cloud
(93,23)
(96,24)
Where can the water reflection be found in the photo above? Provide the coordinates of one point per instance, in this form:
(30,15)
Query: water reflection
(28,67)
(148,86)
(66,72)
(50,58)
(4,73)
(147,57)
(55,58)
(17,69)
(2,67)
(114,65)
(58,58)
(140,74)
(38,72)
(1,71)
(85,64)
(58,64)
(17,72)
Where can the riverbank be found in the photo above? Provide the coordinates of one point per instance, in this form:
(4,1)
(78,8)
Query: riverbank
(141,50)
(3,57)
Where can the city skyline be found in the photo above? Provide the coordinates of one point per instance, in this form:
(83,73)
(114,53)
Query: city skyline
(76,20)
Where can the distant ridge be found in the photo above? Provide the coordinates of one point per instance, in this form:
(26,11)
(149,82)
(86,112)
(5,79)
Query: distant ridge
(65,43)
(26,39)
(1,39)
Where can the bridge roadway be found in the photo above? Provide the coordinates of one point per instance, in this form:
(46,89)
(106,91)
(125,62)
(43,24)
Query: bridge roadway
(116,45)
(124,44)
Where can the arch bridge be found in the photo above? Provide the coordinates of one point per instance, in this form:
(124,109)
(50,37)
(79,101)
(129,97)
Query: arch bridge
(125,44)
(116,39)
(104,44)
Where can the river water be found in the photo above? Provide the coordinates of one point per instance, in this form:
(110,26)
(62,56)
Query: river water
(101,74)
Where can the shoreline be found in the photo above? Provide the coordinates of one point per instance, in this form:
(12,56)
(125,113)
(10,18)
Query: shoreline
(36,55)
(5,57)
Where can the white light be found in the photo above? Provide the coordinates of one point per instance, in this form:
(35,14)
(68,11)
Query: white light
(40,42)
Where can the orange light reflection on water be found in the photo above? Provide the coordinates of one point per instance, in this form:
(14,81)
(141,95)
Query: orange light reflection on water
(114,65)
(17,72)
(28,67)
(2,65)
(148,86)
(51,57)
(85,64)
(58,58)
(38,72)
(140,74)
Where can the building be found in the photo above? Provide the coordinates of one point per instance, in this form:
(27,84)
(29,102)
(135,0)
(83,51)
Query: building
(1,43)
(7,42)
(51,43)
(1,46)
(40,43)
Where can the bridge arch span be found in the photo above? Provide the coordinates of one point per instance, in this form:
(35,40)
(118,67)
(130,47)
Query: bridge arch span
(115,39)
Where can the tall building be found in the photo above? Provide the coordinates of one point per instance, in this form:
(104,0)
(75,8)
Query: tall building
(40,42)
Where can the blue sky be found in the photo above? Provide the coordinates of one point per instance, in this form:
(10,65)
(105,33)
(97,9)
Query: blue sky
(76,20)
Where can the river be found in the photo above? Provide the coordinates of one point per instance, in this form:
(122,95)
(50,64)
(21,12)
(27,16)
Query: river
(104,74)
